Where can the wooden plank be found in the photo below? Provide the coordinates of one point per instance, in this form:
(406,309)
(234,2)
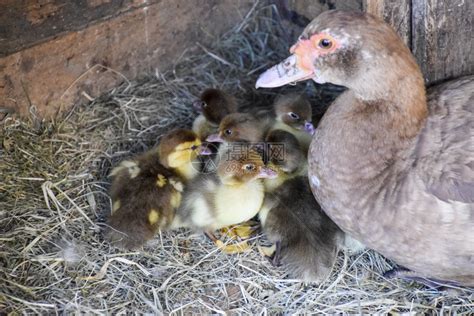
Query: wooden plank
(54,74)
(395,12)
(29,22)
(296,14)
(443,38)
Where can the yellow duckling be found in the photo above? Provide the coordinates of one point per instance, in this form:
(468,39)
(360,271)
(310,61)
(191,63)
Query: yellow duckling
(232,195)
(146,190)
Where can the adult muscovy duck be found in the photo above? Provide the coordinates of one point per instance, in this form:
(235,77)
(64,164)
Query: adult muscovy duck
(392,165)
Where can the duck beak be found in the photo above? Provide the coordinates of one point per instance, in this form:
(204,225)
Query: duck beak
(287,72)
(309,128)
(267,173)
(214,138)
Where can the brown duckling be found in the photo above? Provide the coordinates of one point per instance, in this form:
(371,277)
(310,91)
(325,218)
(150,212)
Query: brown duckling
(214,105)
(146,190)
(283,151)
(306,239)
(241,127)
(232,195)
(294,114)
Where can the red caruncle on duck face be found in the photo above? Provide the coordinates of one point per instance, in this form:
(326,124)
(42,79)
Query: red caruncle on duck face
(307,50)
(301,64)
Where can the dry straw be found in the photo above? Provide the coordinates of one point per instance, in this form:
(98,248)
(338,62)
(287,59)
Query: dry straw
(53,199)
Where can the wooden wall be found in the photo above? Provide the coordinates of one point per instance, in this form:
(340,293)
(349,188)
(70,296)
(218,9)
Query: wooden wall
(439,33)
(54,53)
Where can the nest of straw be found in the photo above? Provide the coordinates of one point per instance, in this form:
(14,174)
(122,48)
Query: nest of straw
(53,200)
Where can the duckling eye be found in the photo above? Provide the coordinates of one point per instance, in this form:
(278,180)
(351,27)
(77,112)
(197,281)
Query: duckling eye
(325,43)
(203,104)
(194,147)
(249,167)
(228,132)
(293,115)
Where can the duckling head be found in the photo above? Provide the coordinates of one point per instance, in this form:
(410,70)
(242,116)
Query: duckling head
(239,127)
(295,111)
(243,167)
(215,104)
(178,149)
(284,151)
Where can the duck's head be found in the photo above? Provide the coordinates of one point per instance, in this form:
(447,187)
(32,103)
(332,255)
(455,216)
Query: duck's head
(295,111)
(284,151)
(180,147)
(215,104)
(351,49)
(240,167)
(238,127)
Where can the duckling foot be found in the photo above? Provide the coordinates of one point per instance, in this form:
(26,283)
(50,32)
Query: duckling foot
(276,260)
(265,251)
(408,275)
(272,253)
(233,248)
(242,231)
(228,249)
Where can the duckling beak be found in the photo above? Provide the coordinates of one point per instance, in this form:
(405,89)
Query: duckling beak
(204,150)
(288,71)
(197,105)
(214,138)
(267,173)
(309,128)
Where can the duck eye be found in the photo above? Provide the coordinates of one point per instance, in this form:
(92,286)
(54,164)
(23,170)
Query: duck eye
(203,104)
(249,167)
(293,115)
(325,43)
(228,132)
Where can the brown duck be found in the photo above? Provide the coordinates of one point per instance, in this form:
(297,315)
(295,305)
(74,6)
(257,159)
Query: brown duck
(391,164)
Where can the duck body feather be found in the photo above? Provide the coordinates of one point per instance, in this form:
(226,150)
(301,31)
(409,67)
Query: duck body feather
(386,188)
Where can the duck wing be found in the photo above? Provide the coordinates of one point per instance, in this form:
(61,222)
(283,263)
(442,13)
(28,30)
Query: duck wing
(445,149)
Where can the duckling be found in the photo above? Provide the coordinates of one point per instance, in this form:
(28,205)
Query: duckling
(306,239)
(241,131)
(214,105)
(147,189)
(232,195)
(241,127)
(283,151)
(293,114)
